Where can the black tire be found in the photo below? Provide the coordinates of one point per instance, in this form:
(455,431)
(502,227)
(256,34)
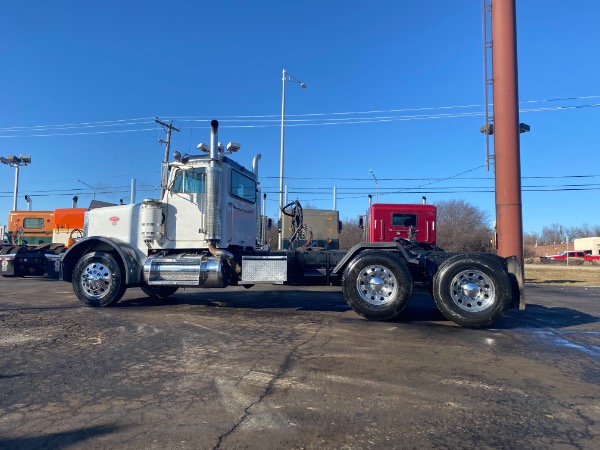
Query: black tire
(159,292)
(98,280)
(472,292)
(377,285)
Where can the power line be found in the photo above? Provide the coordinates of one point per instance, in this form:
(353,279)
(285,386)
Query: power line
(377,111)
(426,179)
(104,192)
(309,119)
(115,123)
(357,121)
(79,134)
(429,191)
(345,195)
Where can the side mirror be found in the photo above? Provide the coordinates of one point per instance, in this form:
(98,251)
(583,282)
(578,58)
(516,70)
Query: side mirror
(269,223)
(361,222)
(339,226)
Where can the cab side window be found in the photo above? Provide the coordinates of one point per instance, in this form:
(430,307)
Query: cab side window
(243,187)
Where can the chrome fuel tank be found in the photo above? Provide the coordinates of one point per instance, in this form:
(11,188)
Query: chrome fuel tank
(186,270)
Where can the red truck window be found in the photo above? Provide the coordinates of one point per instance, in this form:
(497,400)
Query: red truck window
(404,220)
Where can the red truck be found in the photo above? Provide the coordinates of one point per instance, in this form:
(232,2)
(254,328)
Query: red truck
(385,222)
(579,254)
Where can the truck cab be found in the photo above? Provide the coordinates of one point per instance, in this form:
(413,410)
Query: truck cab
(180,220)
(386,222)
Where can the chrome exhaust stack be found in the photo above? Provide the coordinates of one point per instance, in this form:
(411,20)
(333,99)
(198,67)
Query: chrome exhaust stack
(259,228)
(214,174)
(255,164)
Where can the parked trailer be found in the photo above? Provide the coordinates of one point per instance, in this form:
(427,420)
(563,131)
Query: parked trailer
(205,232)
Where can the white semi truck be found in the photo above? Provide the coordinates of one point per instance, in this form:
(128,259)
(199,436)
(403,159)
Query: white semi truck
(207,232)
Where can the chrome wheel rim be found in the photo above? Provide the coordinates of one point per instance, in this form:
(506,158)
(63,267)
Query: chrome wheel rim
(377,285)
(472,290)
(96,280)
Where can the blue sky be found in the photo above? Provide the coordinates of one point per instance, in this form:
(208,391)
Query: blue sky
(417,64)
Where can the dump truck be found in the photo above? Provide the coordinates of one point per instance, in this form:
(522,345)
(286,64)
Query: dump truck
(206,231)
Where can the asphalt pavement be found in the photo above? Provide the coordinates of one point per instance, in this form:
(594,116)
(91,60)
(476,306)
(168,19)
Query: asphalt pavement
(292,368)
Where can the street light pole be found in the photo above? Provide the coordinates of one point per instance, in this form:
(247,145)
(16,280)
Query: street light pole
(376,186)
(91,187)
(285,77)
(16,191)
(16,162)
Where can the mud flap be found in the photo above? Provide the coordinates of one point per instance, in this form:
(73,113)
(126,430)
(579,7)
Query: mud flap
(515,273)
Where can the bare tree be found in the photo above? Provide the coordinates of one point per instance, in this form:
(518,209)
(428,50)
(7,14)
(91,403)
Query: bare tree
(462,227)
(308,205)
(272,236)
(582,231)
(553,234)
(530,241)
(530,238)
(351,234)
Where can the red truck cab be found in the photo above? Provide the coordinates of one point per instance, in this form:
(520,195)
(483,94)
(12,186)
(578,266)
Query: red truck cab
(386,221)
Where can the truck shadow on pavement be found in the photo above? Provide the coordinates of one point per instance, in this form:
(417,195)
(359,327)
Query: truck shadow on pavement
(539,316)
(298,299)
(422,307)
(56,440)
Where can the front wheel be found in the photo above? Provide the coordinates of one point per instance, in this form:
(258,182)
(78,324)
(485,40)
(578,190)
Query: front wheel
(472,292)
(97,279)
(377,285)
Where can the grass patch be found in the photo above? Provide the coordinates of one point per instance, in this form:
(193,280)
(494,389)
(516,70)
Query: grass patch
(562,275)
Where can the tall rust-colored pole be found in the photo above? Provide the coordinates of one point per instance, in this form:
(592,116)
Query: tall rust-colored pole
(507,158)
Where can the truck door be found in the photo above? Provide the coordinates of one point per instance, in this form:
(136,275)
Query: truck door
(185,214)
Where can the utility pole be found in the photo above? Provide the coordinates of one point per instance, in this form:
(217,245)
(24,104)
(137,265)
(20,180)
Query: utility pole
(507,156)
(165,165)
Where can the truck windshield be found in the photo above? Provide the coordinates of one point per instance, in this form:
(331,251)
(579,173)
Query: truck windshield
(190,181)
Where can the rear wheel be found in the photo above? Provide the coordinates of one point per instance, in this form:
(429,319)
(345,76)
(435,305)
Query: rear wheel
(97,279)
(159,292)
(377,285)
(472,292)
